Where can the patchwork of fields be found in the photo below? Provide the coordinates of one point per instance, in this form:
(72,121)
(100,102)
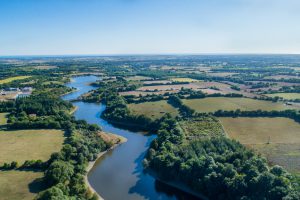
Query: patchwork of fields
(213,104)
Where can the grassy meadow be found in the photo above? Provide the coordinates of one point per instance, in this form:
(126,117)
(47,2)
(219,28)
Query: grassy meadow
(190,80)
(153,110)
(21,145)
(19,185)
(278,139)
(288,96)
(3,118)
(212,104)
(8,80)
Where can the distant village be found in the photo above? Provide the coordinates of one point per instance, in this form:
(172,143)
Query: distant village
(14,93)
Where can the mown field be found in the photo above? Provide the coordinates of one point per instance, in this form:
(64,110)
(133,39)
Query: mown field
(288,96)
(213,104)
(278,139)
(7,80)
(190,80)
(19,185)
(153,110)
(3,118)
(21,145)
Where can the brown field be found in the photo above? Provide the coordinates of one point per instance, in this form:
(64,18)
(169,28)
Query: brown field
(212,104)
(21,145)
(153,110)
(278,77)
(221,74)
(144,93)
(157,82)
(276,138)
(138,78)
(168,87)
(19,185)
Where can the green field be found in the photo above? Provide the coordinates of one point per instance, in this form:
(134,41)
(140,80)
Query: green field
(288,96)
(7,80)
(212,104)
(3,118)
(19,185)
(190,80)
(153,110)
(278,139)
(198,128)
(21,145)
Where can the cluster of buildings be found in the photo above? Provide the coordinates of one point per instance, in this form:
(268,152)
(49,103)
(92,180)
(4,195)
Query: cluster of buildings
(13,93)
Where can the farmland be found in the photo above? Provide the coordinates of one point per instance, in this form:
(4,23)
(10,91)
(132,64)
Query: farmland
(278,139)
(200,128)
(153,110)
(8,80)
(19,184)
(3,118)
(190,80)
(19,146)
(288,96)
(213,104)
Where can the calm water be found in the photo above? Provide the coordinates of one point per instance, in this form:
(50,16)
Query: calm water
(119,174)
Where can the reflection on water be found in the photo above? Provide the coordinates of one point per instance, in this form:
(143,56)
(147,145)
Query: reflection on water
(119,175)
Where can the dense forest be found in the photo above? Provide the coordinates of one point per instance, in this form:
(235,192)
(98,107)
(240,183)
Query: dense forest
(219,168)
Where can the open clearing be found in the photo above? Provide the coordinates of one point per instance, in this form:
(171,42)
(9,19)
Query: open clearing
(8,80)
(45,67)
(190,80)
(288,96)
(276,138)
(138,78)
(153,110)
(212,104)
(199,128)
(3,118)
(21,145)
(19,185)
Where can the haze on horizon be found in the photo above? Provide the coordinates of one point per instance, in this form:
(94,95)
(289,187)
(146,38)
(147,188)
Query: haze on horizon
(60,27)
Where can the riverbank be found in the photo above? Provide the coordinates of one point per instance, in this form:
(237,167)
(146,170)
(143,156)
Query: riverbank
(109,138)
(177,185)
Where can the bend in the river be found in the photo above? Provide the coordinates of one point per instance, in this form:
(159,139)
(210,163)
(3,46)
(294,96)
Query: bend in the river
(119,173)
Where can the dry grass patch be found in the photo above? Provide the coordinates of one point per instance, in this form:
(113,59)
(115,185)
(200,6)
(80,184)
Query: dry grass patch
(288,96)
(278,139)
(153,110)
(21,145)
(19,185)
(3,119)
(190,80)
(212,104)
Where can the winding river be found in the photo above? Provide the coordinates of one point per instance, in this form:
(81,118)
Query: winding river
(118,175)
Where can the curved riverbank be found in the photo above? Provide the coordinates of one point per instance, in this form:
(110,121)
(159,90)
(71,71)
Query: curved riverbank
(92,163)
(119,173)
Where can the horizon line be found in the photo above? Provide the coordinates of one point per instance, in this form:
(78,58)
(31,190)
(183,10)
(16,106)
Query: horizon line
(143,54)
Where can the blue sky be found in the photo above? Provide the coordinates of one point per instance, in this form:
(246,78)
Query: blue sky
(55,27)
